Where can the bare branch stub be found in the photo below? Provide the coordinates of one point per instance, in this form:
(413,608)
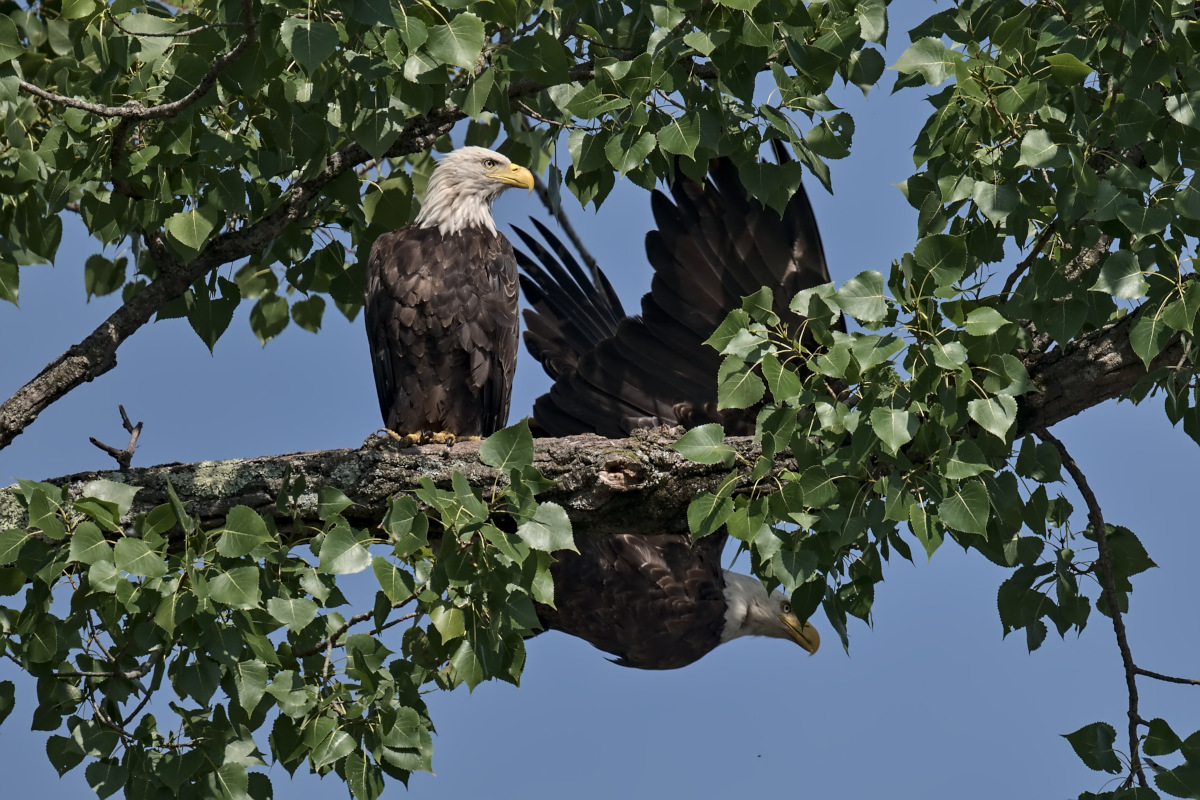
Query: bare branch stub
(124,457)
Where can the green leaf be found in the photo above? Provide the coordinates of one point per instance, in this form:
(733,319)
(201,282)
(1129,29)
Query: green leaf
(243,531)
(923,528)
(119,494)
(78,9)
(707,513)
(1160,739)
(106,777)
(783,381)
(629,150)
(89,546)
(862,297)
(294,612)
(984,321)
(549,530)
(331,502)
(135,557)
(995,414)
(458,43)
(188,230)
(680,135)
(236,588)
(10,40)
(448,621)
(1039,151)
(7,699)
(250,680)
(967,509)
(966,460)
(396,583)
(210,316)
(737,385)
(307,313)
(996,201)
(311,42)
(895,428)
(1094,745)
(335,746)
(467,665)
(508,448)
(1185,108)
(102,277)
(705,444)
(943,257)
(344,552)
(1067,69)
(9,274)
(1150,333)
(1121,276)
(930,58)
(269,317)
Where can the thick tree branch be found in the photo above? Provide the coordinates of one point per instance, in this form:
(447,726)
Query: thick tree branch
(606,485)
(1085,372)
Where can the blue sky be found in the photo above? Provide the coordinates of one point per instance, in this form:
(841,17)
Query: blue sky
(930,702)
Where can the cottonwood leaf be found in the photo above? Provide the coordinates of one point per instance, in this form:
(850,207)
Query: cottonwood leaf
(705,444)
(1094,746)
(549,530)
(309,41)
(508,448)
(459,42)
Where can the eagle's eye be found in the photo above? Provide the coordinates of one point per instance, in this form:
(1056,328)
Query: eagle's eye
(490,163)
(786,607)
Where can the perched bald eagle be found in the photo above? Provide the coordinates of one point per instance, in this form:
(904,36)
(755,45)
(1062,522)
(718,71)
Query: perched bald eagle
(441,304)
(662,601)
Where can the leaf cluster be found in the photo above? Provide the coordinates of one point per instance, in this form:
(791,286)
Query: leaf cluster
(186,659)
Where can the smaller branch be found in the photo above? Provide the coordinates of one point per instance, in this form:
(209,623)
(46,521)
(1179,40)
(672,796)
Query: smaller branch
(560,217)
(123,457)
(1158,676)
(329,643)
(1028,260)
(1104,559)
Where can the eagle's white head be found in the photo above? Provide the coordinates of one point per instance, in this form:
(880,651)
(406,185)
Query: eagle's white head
(750,611)
(464,186)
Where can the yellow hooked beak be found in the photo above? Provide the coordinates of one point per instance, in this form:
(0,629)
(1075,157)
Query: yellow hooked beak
(801,633)
(514,176)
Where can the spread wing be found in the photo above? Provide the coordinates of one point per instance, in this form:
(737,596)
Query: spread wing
(712,246)
(441,317)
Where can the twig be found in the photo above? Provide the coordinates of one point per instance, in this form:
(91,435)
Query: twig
(1158,676)
(1028,260)
(329,642)
(123,457)
(560,216)
(128,675)
(1104,559)
(188,32)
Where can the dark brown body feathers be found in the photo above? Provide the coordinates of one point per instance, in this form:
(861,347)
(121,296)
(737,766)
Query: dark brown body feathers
(441,316)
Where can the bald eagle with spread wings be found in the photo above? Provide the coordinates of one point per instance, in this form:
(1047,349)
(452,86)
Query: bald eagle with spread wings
(663,601)
(441,315)
(441,305)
